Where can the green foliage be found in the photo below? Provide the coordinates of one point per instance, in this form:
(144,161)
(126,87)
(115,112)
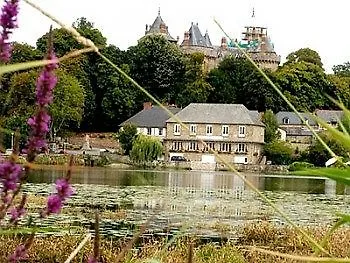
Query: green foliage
(340,88)
(271,126)
(278,152)
(145,149)
(305,55)
(66,109)
(342,70)
(237,81)
(304,84)
(299,166)
(126,137)
(196,89)
(158,66)
(318,155)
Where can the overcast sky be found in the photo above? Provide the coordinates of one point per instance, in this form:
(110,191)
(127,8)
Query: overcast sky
(292,24)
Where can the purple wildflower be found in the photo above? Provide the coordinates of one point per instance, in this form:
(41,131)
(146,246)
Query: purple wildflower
(19,254)
(92,260)
(19,211)
(56,201)
(54,204)
(10,174)
(8,22)
(16,214)
(44,95)
(64,189)
(46,82)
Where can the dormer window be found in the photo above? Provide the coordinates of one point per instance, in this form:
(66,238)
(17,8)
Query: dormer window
(285,120)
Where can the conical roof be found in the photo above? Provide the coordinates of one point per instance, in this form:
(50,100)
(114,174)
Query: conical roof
(155,28)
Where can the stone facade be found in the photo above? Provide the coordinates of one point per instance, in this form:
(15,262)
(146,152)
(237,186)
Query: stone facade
(234,142)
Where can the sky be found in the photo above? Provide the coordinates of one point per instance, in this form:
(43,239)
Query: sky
(292,24)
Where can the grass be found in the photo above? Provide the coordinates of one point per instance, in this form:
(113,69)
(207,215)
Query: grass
(260,235)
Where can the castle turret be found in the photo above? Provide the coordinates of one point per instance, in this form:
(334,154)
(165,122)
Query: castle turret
(159,27)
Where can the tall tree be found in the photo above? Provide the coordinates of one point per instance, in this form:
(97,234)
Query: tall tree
(237,81)
(304,84)
(158,66)
(196,88)
(342,70)
(271,126)
(68,104)
(305,55)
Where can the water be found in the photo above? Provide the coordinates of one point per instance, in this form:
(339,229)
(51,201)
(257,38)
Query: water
(201,203)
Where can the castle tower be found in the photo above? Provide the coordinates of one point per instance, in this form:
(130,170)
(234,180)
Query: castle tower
(259,45)
(159,27)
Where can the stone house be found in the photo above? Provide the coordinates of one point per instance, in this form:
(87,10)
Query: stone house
(151,120)
(297,133)
(231,130)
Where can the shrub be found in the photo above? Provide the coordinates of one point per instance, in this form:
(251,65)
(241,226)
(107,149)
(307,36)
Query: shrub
(297,166)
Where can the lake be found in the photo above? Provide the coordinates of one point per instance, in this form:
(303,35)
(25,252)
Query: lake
(197,202)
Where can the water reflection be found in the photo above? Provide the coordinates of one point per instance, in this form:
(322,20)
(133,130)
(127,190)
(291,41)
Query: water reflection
(202,200)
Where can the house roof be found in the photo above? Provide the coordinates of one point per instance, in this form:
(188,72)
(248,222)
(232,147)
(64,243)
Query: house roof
(217,114)
(330,116)
(293,118)
(155,28)
(155,117)
(297,131)
(207,40)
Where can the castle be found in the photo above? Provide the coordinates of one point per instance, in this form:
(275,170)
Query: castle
(255,42)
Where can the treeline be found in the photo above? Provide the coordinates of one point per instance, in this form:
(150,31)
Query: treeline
(91,96)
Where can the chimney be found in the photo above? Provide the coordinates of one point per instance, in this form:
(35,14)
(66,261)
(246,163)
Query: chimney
(186,41)
(147,105)
(223,42)
(163,28)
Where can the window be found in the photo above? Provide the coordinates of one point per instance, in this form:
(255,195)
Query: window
(177,129)
(176,146)
(160,131)
(193,146)
(209,130)
(193,129)
(225,147)
(285,120)
(209,145)
(224,130)
(149,131)
(241,131)
(241,148)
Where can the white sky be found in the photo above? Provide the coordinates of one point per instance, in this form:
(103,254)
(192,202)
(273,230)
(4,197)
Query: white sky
(292,24)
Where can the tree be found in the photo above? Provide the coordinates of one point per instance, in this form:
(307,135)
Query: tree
(67,107)
(304,84)
(158,66)
(305,55)
(237,81)
(196,89)
(341,88)
(145,149)
(120,100)
(342,70)
(83,68)
(126,137)
(318,155)
(271,126)
(278,152)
